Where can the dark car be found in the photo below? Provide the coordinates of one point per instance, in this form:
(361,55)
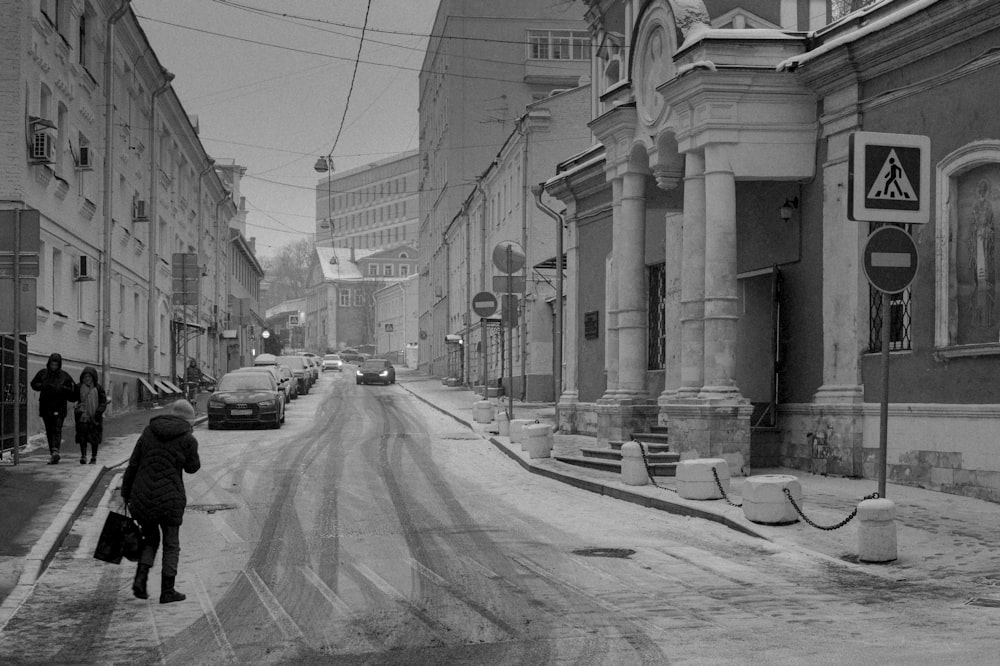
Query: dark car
(246,398)
(281,374)
(297,364)
(351,356)
(376,371)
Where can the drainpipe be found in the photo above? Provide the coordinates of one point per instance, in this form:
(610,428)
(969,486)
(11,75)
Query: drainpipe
(466,365)
(557,336)
(109,164)
(209,166)
(524,244)
(221,266)
(152,237)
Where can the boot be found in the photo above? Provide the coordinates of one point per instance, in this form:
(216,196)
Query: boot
(139,584)
(168,594)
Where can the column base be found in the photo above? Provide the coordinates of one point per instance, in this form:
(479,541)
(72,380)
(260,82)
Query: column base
(617,419)
(711,429)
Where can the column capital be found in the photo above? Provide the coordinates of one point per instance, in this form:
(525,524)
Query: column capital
(668,176)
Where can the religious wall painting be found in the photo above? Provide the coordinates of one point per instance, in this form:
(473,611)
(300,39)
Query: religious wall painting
(977,257)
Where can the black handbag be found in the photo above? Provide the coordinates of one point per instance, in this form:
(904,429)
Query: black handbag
(120,537)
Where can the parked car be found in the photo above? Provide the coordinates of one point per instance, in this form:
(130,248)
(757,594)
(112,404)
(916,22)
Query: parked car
(332,362)
(350,355)
(314,366)
(281,374)
(293,386)
(246,398)
(376,370)
(297,364)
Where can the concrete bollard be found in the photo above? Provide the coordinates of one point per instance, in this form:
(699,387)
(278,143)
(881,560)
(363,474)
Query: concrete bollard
(538,440)
(633,466)
(764,499)
(482,411)
(503,423)
(876,530)
(517,430)
(696,481)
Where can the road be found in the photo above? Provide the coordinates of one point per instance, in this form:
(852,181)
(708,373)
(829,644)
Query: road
(372,529)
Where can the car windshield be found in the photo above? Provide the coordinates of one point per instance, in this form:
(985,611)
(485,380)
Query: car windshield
(374,365)
(292,361)
(246,381)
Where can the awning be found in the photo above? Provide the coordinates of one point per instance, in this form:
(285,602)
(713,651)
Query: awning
(163,388)
(147,386)
(173,387)
(549,264)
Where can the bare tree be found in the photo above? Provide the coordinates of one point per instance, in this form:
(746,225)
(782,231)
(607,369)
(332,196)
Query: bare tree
(287,272)
(842,8)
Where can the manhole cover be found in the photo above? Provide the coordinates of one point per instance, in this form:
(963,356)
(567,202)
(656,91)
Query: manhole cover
(988,603)
(210,508)
(605,552)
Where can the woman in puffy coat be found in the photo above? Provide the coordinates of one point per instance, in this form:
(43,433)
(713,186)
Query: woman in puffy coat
(91,401)
(153,487)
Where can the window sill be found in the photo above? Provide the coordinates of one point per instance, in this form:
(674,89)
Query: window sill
(966,351)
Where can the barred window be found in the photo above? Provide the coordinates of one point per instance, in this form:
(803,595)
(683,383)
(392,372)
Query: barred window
(899,313)
(657,316)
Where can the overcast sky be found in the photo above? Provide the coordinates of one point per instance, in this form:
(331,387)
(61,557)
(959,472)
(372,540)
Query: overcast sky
(269,90)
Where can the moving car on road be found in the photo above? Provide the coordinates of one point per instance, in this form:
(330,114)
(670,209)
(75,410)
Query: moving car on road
(332,362)
(246,398)
(376,371)
(350,355)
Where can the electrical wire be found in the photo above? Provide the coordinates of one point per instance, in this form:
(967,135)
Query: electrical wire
(350,89)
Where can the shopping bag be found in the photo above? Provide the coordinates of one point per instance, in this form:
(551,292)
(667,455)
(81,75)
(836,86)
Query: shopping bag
(120,537)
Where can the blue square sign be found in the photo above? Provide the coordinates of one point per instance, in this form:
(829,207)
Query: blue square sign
(889,178)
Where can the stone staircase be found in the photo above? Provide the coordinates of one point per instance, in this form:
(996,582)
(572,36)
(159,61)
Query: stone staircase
(661,461)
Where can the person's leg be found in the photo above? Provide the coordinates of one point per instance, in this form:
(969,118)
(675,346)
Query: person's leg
(96,433)
(53,433)
(171,557)
(150,542)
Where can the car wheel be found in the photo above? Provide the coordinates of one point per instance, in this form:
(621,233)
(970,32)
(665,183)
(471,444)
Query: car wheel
(213,426)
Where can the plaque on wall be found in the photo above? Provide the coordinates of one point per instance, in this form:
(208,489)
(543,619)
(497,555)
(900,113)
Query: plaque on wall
(591,325)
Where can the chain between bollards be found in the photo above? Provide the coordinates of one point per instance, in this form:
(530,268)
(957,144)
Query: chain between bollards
(649,473)
(849,518)
(718,484)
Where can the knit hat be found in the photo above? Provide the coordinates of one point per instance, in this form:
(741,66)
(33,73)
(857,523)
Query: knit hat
(182,408)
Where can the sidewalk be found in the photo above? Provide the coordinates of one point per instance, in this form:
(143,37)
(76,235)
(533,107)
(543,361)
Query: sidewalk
(945,538)
(38,501)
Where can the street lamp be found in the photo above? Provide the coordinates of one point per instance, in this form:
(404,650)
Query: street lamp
(325,165)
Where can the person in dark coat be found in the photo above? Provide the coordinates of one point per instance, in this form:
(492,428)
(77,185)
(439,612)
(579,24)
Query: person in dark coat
(153,488)
(91,401)
(55,388)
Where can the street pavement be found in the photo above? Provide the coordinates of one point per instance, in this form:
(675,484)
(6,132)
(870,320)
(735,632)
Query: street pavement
(948,539)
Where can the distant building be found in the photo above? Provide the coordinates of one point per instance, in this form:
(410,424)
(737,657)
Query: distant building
(371,206)
(396,320)
(471,98)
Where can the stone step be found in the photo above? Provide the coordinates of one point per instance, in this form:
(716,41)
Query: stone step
(660,429)
(657,469)
(650,448)
(651,437)
(616,454)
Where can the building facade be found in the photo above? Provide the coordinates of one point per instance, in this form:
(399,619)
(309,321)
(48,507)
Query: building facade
(732,306)
(118,193)
(371,206)
(396,320)
(485,62)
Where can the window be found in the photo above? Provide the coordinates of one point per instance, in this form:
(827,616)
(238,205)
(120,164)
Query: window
(387,270)
(656,354)
(373,269)
(83,44)
(58,292)
(558,45)
(359,297)
(345,298)
(404,270)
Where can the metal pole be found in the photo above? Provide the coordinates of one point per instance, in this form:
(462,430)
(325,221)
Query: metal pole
(484,348)
(16,396)
(883,431)
(557,334)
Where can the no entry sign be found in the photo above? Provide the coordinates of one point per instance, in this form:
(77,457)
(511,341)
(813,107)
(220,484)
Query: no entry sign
(484,304)
(890,259)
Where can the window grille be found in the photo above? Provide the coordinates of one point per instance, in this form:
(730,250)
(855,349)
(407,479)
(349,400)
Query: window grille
(900,332)
(657,316)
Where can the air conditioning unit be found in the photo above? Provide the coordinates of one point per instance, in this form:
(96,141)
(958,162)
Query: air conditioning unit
(83,271)
(43,147)
(85,161)
(139,211)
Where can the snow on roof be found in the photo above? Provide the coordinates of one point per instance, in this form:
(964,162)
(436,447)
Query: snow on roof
(338,263)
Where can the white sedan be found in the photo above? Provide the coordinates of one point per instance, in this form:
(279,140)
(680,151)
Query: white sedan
(332,362)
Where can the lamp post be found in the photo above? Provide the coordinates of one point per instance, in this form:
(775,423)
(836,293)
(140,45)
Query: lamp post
(325,165)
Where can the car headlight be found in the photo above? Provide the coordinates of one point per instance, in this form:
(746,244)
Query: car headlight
(266,403)
(359,373)
(214,404)
(384,373)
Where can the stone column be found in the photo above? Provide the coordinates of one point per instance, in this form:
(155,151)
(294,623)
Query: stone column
(720,275)
(668,177)
(693,278)
(630,260)
(611,299)
(570,395)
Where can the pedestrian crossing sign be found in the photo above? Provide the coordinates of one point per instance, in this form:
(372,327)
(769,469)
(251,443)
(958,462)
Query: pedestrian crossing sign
(889,178)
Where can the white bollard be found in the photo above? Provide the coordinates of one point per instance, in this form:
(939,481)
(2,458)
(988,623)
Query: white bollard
(517,430)
(503,423)
(633,466)
(482,411)
(695,479)
(764,499)
(876,530)
(539,440)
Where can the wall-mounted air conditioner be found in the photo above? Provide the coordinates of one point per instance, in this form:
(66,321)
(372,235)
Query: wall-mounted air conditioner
(43,147)
(139,211)
(83,271)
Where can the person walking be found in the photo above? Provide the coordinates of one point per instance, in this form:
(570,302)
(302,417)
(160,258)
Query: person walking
(91,401)
(153,489)
(55,388)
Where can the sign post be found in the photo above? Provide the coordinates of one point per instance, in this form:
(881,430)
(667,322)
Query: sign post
(508,257)
(889,178)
